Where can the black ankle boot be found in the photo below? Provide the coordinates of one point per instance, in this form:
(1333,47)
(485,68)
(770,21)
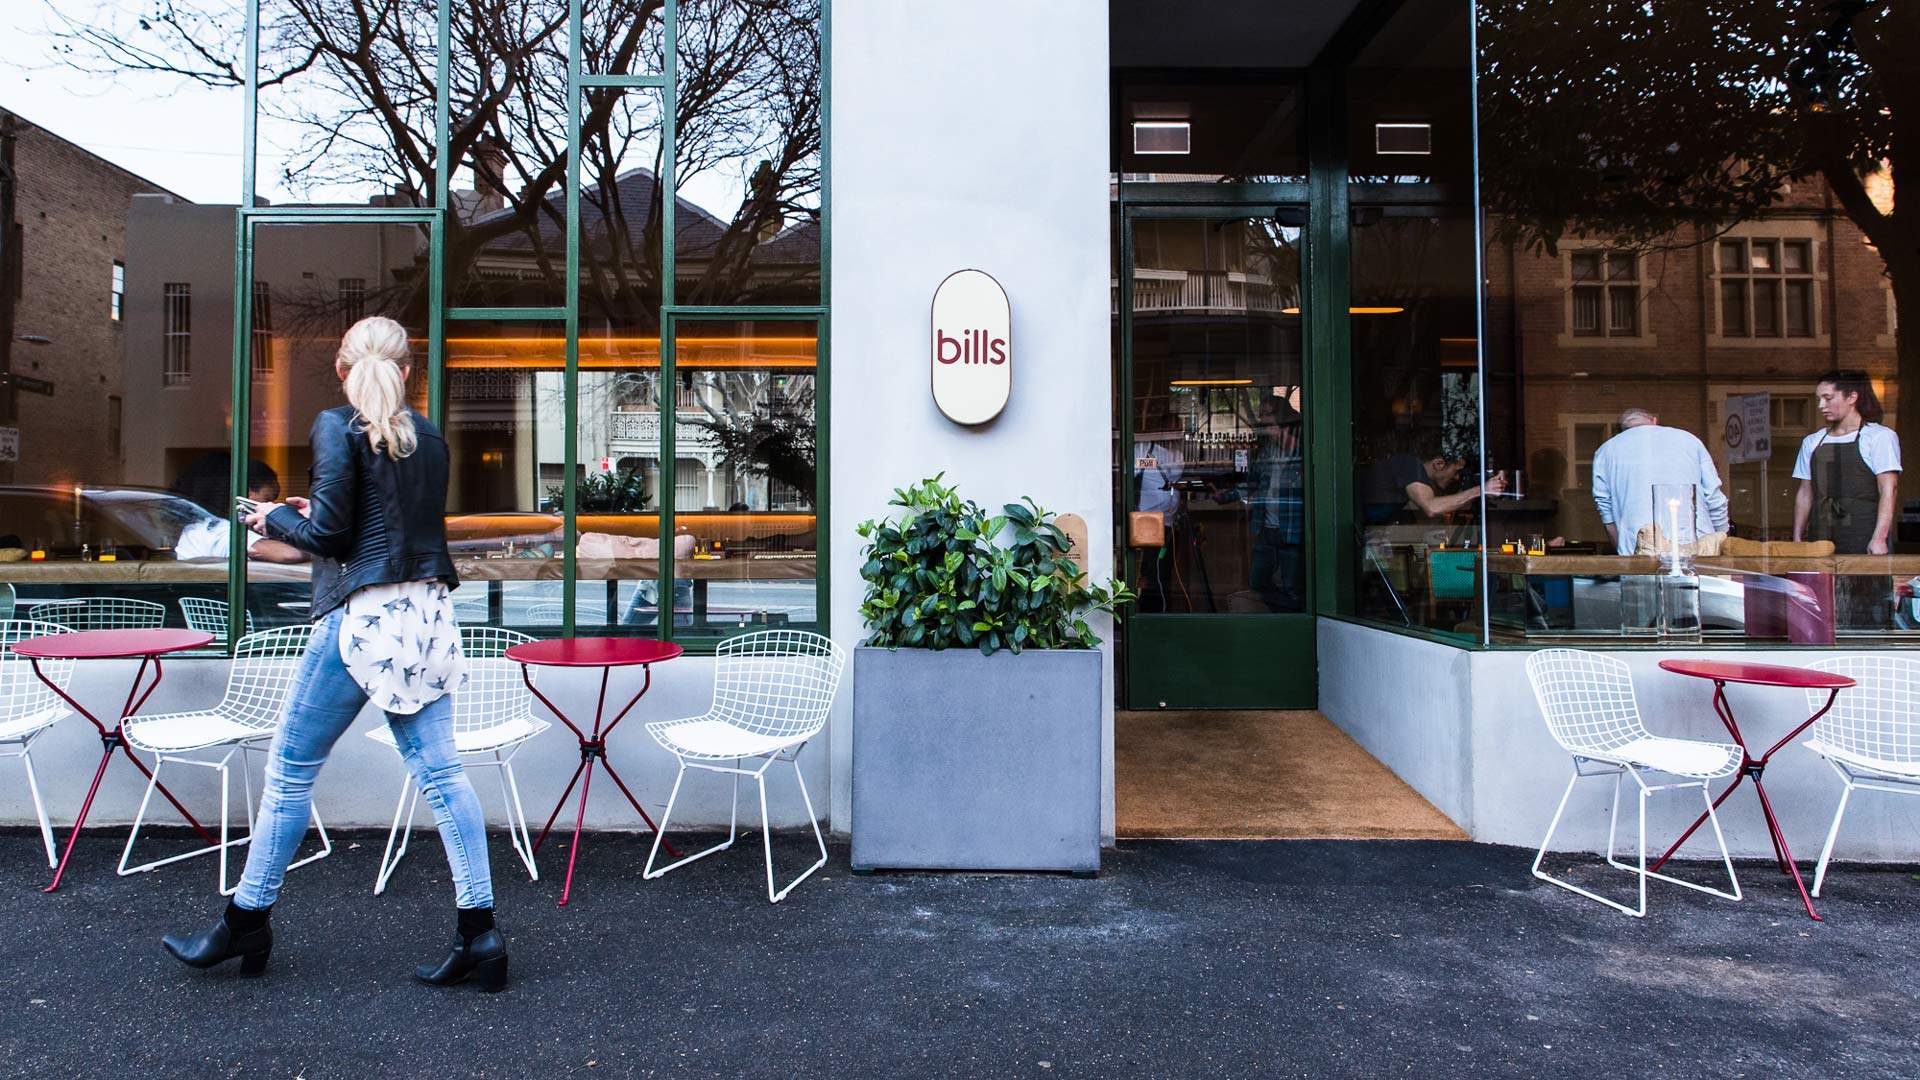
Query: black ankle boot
(482,958)
(240,932)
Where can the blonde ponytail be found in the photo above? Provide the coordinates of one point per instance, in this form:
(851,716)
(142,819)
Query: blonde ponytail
(370,357)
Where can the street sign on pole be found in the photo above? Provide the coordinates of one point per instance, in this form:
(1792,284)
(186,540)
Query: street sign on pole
(1748,428)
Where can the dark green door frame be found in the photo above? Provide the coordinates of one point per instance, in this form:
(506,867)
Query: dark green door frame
(1221,660)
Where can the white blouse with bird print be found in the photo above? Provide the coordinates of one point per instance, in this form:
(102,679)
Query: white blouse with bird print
(401,644)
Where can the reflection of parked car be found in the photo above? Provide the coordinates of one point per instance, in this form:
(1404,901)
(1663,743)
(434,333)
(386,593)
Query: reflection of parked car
(142,522)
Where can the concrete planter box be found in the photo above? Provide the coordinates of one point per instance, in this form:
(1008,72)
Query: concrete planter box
(971,762)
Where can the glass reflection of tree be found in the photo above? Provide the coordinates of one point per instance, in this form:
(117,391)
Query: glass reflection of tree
(350,85)
(1646,122)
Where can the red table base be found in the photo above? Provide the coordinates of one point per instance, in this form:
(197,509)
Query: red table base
(111,740)
(1752,768)
(593,750)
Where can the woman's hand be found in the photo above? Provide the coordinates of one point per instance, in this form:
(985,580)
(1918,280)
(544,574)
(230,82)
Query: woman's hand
(1878,546)
(299,505)
(257,521)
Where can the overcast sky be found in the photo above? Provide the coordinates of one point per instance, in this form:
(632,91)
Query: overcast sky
(182,136)
(179,136)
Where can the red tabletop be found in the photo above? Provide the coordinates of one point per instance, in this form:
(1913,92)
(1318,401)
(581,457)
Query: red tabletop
(111,644)
(594,652)
(1797,678)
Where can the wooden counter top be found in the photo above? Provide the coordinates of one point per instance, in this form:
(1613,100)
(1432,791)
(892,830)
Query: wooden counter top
(144,572)
(1592,565)
(731,568)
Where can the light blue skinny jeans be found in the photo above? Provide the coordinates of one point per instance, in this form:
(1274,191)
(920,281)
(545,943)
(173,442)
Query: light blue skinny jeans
(324,702)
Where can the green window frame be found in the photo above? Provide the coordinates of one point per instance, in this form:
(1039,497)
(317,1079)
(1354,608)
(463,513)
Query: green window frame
(433,217)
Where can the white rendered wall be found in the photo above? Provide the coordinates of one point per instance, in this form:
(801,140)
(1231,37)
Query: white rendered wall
(968,135)
(1462,728)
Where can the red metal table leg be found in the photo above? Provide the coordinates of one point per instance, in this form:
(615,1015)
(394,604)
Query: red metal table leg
(81,821)
(111,740)
(579,822)
(577,770)
(1780,842)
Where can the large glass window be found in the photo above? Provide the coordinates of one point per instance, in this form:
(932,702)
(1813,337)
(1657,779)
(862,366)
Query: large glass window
(1673,268)
(557,395)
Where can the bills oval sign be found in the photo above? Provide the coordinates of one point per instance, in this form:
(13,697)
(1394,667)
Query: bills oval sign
(972,347)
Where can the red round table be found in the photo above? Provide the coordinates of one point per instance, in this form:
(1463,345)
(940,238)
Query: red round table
(606,654)
(1793,678)
(149,646)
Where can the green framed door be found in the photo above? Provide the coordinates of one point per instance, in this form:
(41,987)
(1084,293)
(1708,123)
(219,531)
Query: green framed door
(1213,425)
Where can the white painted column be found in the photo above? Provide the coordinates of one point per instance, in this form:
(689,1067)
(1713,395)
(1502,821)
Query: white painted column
(967,135)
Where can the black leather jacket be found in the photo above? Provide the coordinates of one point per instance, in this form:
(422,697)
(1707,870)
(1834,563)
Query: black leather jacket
(371,520)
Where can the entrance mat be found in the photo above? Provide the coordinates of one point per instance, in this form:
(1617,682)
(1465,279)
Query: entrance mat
(1259,775)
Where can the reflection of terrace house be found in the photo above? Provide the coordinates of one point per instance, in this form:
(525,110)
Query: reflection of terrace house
(717,262)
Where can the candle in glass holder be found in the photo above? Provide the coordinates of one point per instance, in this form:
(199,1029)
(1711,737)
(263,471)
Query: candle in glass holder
(1673,533)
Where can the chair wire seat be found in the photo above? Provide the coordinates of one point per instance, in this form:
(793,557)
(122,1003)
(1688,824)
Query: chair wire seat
(1871,735)
(492,718)
(1590,708)
(773,692)
(260,685)
(28,707)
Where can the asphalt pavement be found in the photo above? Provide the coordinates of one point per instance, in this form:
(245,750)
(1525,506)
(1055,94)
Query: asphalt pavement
(1236,958)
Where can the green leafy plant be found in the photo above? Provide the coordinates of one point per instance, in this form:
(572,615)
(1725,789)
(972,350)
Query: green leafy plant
(621,492)
(944,574)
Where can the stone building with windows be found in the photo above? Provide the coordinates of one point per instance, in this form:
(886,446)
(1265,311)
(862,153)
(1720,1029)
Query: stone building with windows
(62,307)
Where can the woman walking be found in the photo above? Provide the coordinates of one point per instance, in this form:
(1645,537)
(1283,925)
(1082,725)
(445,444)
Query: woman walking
(384,631)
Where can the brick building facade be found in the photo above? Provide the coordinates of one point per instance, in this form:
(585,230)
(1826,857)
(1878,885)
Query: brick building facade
(68,316)
(1575,336)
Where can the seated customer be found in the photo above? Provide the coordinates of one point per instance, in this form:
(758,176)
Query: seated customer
(211,539)
(1416,481)
(1627,466)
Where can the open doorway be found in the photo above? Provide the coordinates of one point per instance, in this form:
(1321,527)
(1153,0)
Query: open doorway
(1250,144)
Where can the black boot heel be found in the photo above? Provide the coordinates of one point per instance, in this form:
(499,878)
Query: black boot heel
(492,974)
(220,943)
(482,959)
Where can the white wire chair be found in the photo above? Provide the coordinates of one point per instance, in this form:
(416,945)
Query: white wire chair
(102,613)
(259,682)
(210,617)
(772,692)
(29,707)
(1590,709)
(1871,736)
(470,604)
(492,718)
(546,613)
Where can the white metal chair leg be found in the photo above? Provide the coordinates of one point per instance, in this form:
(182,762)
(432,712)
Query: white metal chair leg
(1639,867)
(514,823)
(1713,817)
(39,807)
(139,820)
(389,859)
(1833,833)
(1547,843)
(767,835)
(660,832)
(517,812)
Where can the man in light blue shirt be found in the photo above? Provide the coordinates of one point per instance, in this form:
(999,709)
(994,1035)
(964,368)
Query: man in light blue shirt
(1627,466)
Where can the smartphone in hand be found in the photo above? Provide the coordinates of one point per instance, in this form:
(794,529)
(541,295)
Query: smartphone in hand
(246,507)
